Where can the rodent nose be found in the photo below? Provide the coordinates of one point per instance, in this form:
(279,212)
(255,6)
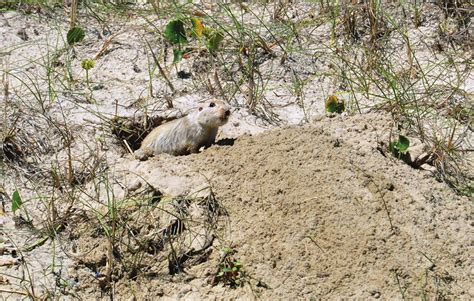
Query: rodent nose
(227,112)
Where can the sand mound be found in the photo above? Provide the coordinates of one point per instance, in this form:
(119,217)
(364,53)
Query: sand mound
(318,211)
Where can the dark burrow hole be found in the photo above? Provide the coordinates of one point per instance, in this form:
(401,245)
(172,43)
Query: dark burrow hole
(133,130)
(226,142)
(11,149)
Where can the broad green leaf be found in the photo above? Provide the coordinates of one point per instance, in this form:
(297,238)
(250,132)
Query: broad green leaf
(214,40)
(175,33)
(403,143)
(16,201)
(75,35)
(177,55)
(399,146)
(331,104)
(392,146)
(334,105)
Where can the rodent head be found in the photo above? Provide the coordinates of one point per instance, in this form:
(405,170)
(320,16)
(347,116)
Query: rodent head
(212,113)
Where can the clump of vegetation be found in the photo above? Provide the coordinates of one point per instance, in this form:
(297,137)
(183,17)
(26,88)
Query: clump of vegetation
(399,146)
(178,31)
(75,35)
(334,105)
(230,271)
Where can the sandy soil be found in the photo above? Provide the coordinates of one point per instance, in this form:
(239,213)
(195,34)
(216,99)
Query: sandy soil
(318,211)
(312,206)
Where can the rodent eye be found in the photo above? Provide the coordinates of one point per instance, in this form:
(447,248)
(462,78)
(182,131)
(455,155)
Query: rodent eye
(212,104)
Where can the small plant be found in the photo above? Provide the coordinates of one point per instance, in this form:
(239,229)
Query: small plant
(178,31)
(75,35)
(176,34)
(399,146)
(418,15)
(213,39)
(16,201)
(230,271)
(334,105)
(87,64)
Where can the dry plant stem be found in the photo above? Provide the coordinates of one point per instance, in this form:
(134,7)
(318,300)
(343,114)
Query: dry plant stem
(106,45)
(2,290)
(156,6)
(263,43)
(216,79)
(38,242)
(316,244)
(67,143)
(73,16)
(151,74)
(409,54)
(251,101)
(219,85)
(451,138)
(372,13)
(402,292)
(163,73)
(127,146)
(110,260)
(6,94)
(31,293)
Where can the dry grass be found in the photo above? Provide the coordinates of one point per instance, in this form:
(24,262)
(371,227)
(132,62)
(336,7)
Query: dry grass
(264,48)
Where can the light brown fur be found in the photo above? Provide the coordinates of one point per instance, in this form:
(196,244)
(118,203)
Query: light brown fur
(187,134)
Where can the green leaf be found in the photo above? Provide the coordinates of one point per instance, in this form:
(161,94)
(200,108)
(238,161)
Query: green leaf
(16,201)
(334,105)
(399,146)
(177,55)
(175,33)
(331,104)
(214,40)
(198,28)
(75,35)
(403,143)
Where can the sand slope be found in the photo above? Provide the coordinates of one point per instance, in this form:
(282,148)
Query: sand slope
(318,211)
